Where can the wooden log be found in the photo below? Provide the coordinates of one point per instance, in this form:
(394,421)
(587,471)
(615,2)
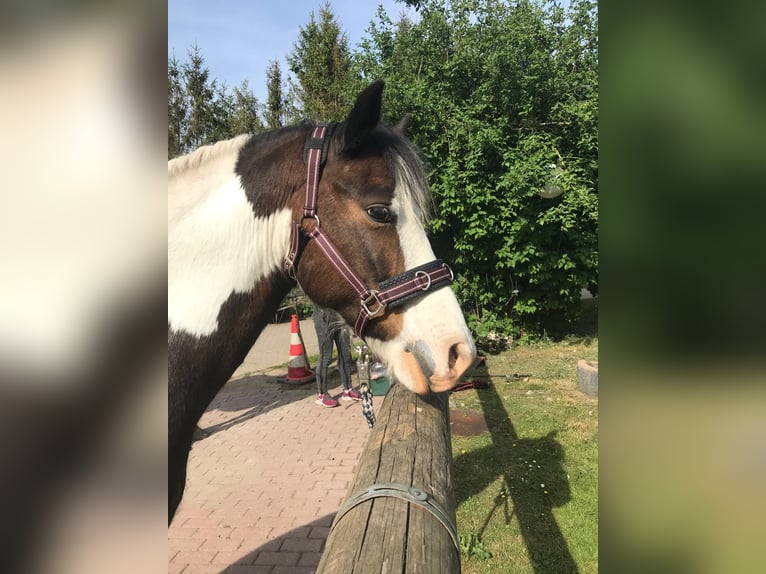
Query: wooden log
(410,445)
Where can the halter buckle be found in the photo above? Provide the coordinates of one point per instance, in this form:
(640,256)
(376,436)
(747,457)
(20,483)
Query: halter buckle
(371,300)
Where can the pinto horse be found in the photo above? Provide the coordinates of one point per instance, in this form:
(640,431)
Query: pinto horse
(338,208)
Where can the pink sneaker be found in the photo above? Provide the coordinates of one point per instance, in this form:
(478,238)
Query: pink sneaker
(326,401)
(351,395)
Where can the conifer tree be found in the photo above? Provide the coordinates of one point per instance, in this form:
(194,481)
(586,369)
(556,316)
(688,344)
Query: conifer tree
(200,93)
(275,104)
(177,109)
(244,117)
(321,63)
(221,111)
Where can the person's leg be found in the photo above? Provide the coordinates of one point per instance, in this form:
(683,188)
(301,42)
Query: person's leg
(325,343)
(343,342)
(350,364)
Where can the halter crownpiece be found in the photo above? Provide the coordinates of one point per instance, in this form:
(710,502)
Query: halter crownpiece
(392,292)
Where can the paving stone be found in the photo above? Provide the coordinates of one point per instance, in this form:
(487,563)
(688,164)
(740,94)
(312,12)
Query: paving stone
(301,545)
(194,556)
(293,570)
(264,486)
(278,558)
(249,569)
(310,558)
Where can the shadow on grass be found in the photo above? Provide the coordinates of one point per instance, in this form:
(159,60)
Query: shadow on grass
(535,482)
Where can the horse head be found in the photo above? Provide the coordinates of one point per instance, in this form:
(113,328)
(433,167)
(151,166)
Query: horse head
(372,201)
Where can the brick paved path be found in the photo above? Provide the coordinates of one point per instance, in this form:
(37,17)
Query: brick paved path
(263,488)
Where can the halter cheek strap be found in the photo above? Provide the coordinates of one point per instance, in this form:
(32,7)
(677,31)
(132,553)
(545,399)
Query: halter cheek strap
(392,292)
(315,155)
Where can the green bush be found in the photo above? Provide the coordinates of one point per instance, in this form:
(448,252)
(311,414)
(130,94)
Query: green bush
(504,100)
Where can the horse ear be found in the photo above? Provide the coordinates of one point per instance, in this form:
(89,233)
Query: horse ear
(403,124)
(364,116)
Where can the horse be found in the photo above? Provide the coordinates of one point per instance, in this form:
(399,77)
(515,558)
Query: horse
(338,209)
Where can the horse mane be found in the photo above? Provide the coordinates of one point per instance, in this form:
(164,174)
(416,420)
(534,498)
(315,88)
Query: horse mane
(406,163)
(399,153)
(205,154)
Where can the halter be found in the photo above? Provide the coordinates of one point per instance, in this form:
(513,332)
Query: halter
(392,292)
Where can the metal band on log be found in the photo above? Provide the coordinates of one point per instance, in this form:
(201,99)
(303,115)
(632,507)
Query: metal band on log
(399,516)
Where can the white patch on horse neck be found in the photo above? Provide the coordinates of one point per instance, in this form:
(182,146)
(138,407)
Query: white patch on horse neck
(216,246)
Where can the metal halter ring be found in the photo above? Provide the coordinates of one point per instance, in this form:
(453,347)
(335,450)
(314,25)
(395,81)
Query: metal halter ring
(451,273)
(427,276)
(315,217)
(373,298)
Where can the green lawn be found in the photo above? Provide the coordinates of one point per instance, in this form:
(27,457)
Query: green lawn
(527,490)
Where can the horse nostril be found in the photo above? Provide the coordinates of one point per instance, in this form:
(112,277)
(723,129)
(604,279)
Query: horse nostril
(453,355)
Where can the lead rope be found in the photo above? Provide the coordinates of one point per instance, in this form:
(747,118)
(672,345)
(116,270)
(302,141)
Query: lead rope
(363,371)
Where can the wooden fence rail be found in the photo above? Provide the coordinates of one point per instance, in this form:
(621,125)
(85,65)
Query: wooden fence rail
(399,530)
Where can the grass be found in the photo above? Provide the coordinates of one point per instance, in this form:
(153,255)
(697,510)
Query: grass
(527,490)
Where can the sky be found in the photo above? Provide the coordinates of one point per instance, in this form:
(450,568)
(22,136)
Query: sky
(238,38)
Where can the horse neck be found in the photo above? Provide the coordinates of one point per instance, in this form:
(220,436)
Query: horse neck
(228,229)
(227,238)
(199,366)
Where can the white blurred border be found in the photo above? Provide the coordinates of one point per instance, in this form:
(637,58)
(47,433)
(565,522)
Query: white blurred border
(82,253)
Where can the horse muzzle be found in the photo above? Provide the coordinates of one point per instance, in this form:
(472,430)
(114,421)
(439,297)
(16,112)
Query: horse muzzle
(423,368)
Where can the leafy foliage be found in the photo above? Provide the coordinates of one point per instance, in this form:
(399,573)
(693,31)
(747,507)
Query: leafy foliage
(276,102)
(244,117)
(177,110)
(321,63)
(504,100)
(471,546)
(201,110)
(200,91)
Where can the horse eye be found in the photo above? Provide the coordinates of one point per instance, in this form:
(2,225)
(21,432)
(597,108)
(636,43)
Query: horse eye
(379,213)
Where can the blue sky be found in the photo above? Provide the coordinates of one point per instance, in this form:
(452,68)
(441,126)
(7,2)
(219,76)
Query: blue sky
(238,38)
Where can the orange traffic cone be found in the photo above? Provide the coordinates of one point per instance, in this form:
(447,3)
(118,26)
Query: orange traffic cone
(298,372)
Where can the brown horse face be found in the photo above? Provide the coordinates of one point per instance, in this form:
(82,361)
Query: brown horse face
(373,199)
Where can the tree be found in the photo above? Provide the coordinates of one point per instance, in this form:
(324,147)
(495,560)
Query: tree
(499,93)
(177,109)
(221,111)
(275,101)
(244,118)
(321,63)
(200,93)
